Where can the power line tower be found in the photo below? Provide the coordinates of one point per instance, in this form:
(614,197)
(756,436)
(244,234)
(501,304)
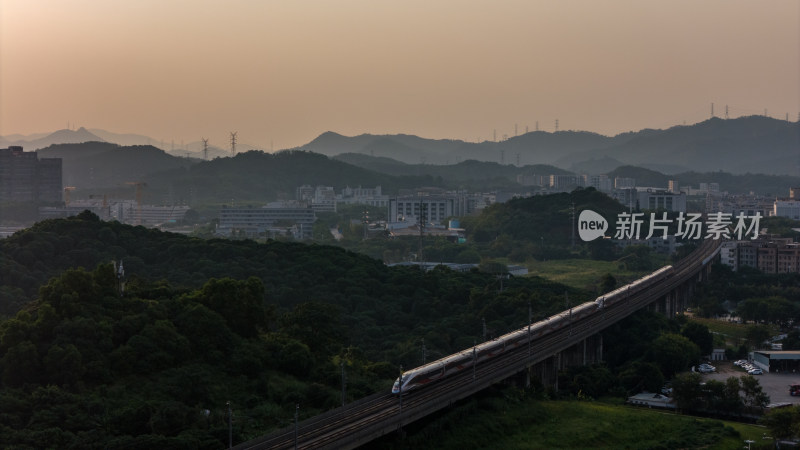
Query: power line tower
(421,226)
(205,148)
(572,218)
(233,142)
(365,221)
(556,125)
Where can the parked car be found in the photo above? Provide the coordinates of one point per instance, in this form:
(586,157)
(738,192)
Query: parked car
(706,368)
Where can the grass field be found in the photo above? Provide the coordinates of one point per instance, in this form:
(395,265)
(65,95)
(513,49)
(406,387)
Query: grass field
(494,422)
(581,273)
(734,333)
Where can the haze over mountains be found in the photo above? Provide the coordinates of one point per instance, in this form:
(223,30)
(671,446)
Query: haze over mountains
(754,144)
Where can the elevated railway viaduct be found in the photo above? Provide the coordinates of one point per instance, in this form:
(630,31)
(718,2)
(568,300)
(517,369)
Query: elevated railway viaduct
(574,341)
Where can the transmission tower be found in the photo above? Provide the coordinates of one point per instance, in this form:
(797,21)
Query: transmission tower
(233,142)
(421,227)
(572,219)
(205,148)
(556,125)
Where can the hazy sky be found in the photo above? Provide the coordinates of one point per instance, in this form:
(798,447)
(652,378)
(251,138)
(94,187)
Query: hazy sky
(282,72)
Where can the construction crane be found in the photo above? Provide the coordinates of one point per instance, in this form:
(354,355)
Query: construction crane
(67,190)
(139,185)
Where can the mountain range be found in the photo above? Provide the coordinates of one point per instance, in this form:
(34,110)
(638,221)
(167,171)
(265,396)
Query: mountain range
(754,144)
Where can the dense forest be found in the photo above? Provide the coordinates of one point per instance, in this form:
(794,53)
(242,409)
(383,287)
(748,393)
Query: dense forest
(195,327)
(260,325)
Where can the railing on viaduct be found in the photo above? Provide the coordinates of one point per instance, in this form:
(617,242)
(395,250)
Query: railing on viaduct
(578,343)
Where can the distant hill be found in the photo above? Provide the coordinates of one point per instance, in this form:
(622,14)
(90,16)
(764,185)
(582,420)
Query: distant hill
(754,144)
(532,148)
(102,164)
(256,177)
(36,142)
(462,171)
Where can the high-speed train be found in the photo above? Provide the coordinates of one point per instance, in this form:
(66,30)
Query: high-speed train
(465,359)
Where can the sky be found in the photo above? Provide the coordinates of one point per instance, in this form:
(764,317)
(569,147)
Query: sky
(281,72)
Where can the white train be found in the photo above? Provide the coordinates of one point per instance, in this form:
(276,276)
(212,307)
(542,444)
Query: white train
(465,359)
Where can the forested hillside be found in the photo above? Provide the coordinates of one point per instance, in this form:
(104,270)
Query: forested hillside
(540,225)
(260,177)
(203,324)
(263,326)
(92,165)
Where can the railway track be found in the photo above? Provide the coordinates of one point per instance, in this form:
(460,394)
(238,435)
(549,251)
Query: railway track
(371,417)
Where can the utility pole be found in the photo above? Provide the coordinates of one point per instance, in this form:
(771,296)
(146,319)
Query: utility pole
(296,414)
(529,329)
(400,388)
(230,426)
(572,214)
(365,221)
(474,358)
(344,382)
(421,227)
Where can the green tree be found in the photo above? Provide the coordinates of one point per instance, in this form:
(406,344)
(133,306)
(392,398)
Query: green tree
(21,364)
(754,395)
(699,334)
(686,390)
(240,303)
(733,400)
(756,335)
(607,283)
(673,353)
(638,376)
(783,423)
(792,340)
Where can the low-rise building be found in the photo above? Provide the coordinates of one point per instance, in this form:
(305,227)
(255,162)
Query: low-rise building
(769,254)
(296,219)
(661,199)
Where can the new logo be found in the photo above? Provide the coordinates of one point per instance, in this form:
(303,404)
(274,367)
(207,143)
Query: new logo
(591,225)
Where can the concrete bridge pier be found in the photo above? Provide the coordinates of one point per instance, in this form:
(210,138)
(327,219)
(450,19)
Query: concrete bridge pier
(585,352)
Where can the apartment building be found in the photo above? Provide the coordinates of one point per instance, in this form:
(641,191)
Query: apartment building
(26,178)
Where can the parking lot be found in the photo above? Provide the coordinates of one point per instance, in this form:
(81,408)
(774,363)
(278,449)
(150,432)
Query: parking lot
(776,385)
